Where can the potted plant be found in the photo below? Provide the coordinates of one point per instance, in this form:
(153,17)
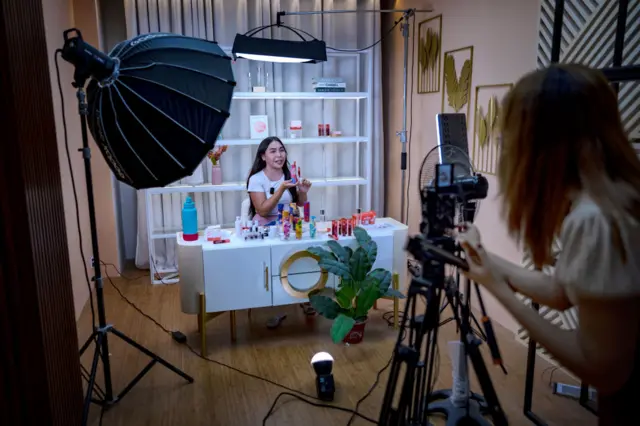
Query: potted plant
(358,289)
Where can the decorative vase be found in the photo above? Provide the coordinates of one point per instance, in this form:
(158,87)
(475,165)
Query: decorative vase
(216,175)
(356,334)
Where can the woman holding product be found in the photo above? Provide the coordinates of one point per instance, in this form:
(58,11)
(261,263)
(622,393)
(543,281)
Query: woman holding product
(567,169)
(270,182)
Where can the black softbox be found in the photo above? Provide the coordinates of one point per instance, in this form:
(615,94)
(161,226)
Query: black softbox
(157,104)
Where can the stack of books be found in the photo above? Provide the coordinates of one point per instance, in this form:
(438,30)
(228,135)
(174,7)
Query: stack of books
(329,84)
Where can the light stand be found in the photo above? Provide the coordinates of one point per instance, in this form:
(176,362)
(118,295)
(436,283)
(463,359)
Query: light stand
(404,27)
(99,336)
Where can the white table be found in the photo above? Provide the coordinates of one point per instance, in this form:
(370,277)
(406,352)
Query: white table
(219,278)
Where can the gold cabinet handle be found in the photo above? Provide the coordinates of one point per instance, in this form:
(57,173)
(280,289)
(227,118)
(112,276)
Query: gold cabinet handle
(266,278)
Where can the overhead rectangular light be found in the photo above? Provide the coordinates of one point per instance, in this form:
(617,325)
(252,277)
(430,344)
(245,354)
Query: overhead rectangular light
(274,50)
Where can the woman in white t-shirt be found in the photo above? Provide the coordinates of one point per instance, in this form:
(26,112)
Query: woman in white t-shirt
(270,183)
(567,169)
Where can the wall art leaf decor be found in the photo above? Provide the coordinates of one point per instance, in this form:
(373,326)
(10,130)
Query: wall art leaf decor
(482,128)
(451,82)
(486,133)
(429,42)
(457,77)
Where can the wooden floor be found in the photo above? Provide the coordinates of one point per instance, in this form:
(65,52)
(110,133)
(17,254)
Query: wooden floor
(220,396)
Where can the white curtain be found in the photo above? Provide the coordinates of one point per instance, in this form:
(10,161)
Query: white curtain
(220,21)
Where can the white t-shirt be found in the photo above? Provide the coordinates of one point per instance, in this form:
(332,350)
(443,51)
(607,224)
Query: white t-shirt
(261,183)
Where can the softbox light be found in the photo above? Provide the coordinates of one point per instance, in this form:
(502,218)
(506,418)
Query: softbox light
(156,103)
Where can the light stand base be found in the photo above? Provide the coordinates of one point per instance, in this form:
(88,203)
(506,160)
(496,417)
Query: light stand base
(98,336)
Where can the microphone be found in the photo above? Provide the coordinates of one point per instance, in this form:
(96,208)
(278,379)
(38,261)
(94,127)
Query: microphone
(272,191)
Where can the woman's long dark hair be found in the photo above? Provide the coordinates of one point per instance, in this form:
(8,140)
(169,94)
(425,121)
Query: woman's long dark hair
(259,164)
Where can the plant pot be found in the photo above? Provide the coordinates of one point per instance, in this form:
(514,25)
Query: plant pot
(356,334)
(216,175)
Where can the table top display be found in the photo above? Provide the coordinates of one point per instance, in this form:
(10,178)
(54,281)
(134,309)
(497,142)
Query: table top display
(243,273)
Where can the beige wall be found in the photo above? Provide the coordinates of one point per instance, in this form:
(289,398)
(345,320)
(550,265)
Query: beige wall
(504,36)
(60,15)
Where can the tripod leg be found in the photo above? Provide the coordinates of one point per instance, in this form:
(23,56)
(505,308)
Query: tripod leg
(92,380)
(150,354)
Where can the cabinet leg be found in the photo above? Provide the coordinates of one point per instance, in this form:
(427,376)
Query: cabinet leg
(202,325)
(396,302)
(232,324)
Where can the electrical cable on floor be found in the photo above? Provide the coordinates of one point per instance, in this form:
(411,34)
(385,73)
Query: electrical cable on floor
(301,395)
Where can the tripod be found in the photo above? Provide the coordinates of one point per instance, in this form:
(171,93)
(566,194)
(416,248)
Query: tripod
(416,392)
(100,334)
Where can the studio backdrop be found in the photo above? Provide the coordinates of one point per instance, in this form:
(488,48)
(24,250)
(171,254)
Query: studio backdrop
(220,21)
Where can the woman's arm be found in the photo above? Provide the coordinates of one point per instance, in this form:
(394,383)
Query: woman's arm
(302,197)
(601,352)
(263,205)
(539,287)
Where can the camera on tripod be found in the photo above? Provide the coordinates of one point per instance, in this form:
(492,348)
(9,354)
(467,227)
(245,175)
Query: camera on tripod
(449,195)
(448,198)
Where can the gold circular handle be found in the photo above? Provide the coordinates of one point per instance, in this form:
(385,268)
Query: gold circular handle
(284,275)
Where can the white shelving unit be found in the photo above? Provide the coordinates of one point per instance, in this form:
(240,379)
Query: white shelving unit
(363,136)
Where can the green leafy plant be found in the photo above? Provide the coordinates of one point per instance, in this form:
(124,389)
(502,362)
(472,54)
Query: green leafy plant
(359,287)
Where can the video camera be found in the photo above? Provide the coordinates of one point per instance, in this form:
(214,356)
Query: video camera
(447,192)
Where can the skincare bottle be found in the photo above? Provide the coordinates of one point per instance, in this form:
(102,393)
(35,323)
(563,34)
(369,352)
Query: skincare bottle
(307,211)
(189,220)
(286,229)
(294,172)
(238,226)
(312,227)
(299,230)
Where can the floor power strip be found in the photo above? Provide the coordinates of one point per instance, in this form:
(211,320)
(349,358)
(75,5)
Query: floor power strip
(571,391)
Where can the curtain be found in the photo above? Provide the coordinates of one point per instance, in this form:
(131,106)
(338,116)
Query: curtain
(220,21)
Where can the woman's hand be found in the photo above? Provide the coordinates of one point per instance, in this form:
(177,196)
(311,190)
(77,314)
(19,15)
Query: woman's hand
(304,185)
(481,267)
(287,184)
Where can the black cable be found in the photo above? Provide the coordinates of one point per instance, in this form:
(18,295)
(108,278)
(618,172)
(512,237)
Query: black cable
(222,364)
(413,62)
(395,24)
(75,192)
(315,404)
(370,391)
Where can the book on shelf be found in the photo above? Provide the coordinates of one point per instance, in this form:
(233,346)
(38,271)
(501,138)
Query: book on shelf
(316,80)
(329,89)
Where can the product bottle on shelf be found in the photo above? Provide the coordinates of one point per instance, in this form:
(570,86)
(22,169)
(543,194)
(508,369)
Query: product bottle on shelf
(189,220)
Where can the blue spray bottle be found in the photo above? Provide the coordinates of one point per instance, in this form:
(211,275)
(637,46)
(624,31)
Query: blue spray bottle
(189,221)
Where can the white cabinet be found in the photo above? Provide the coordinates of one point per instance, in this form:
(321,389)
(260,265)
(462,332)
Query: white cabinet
(237,278)
(294,272)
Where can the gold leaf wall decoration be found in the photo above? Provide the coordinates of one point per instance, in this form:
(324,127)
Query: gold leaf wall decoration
(429,42)
(457,84)
(482,128)
(486,149)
